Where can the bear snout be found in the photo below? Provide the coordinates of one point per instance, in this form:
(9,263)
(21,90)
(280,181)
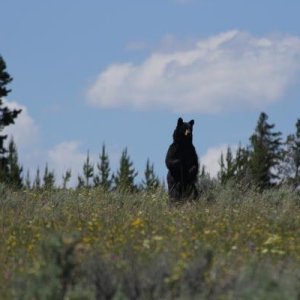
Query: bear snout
(187,132)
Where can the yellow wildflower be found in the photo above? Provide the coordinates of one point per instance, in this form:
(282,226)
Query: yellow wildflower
(273,239)
(137,223)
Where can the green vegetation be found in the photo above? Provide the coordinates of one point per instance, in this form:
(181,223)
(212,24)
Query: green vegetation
(111,238)
(7,117)
(89,244)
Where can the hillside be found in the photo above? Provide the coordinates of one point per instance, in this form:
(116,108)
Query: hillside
(86,244)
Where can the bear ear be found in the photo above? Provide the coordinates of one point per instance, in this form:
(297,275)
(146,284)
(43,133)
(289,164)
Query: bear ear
(191,122)
(180,121)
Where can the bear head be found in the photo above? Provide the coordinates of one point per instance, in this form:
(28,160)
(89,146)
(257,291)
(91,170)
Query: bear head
(183,132)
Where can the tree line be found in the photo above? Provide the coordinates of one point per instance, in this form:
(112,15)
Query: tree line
(93,176)
(267,160)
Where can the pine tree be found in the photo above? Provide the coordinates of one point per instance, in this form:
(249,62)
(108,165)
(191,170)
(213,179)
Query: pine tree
(290,167)
(14,170)
(296,155)
(235,168)
(103,178)
(48,178)
(37,180)
(80,183)
(66,178)
(88,173)
(124,179)
(150,182)
(265,153)
(27,181)
(222,173)
(205,182)
(202,172)
(242,164)
(7,117)
(227,167)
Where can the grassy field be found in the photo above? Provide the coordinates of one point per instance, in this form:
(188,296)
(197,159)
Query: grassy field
(232,244)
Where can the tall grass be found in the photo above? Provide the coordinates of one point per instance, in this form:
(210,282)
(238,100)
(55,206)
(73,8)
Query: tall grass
(86,244)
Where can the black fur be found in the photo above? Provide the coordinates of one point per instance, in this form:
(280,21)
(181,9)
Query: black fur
(182,163)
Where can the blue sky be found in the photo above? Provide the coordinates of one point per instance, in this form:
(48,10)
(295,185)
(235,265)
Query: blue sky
(122,72)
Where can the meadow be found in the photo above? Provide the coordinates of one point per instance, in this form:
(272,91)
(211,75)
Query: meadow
(87,244)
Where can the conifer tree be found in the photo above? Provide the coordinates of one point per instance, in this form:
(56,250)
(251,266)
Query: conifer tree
(7,117)
(205,182)
(202,172)
(14,170)
(150,182)
(103,178)
(124,179)
(265,153)
(290,167)
(48,178)
(221,174)
(234,168)
(88,173)
(227,167)
(66,178)
(242,164)
(80,183)
(37,180)
(27,180)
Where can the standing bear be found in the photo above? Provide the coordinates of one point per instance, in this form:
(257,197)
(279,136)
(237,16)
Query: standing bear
(182,163)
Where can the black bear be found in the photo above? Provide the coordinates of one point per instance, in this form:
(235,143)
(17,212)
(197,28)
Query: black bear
(182,163)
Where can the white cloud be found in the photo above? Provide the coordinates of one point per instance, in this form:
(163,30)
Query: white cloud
(211,159)
(229,71)
(25,131)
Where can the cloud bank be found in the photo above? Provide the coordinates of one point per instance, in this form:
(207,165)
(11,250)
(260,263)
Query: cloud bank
(229,71)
